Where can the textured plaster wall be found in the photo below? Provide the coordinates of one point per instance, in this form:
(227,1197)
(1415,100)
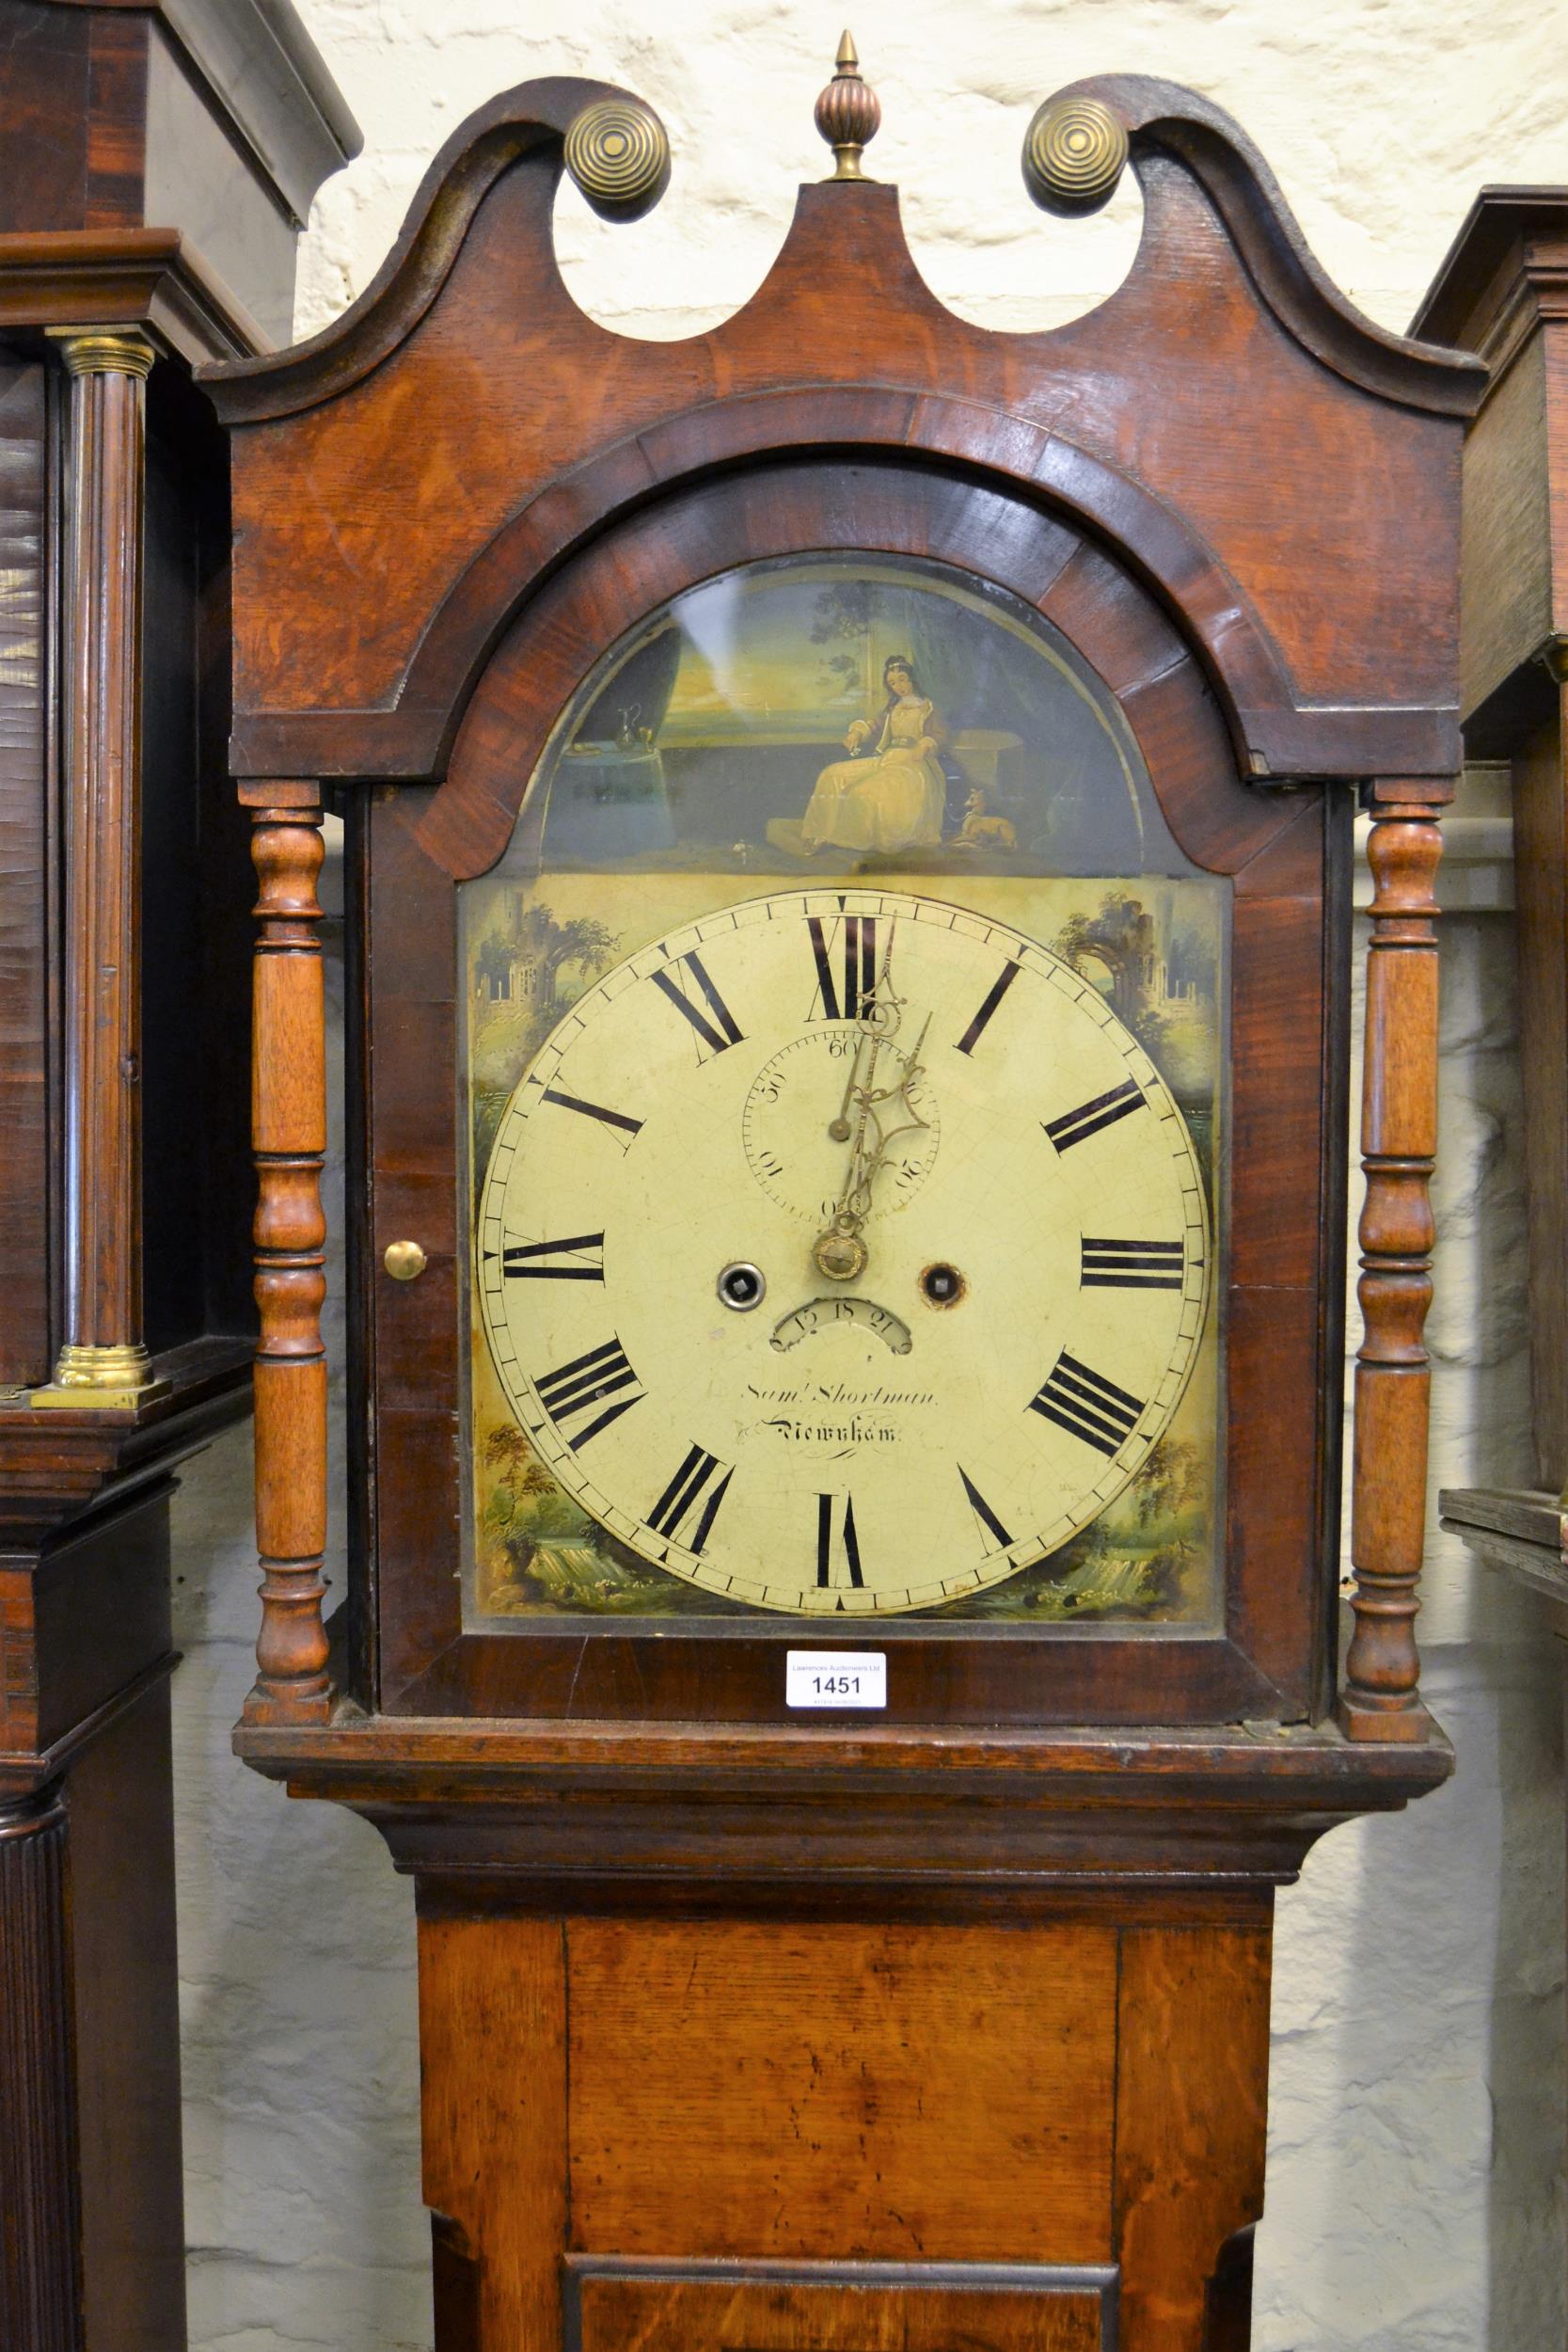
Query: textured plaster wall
(1415,2134)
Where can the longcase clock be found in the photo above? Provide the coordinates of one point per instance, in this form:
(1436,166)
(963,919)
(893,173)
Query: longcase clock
(851,835)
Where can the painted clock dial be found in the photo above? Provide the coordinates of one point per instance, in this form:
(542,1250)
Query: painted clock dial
(843,1252)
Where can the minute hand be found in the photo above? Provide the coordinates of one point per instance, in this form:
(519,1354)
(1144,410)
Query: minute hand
(873,1159)
(840,1250)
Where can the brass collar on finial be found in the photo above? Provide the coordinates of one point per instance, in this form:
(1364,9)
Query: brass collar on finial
(848,114)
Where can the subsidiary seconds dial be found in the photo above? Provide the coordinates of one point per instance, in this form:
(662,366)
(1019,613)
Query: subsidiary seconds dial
(843,1252)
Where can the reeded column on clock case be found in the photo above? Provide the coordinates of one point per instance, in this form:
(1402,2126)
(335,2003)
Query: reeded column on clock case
(40,2299)
(289,1125)
(104,1359)
(1381,1699)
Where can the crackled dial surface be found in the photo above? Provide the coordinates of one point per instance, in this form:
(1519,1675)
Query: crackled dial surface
(843,1252)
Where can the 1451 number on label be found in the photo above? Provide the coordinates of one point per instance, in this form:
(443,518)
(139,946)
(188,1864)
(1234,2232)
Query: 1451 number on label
(835,1678)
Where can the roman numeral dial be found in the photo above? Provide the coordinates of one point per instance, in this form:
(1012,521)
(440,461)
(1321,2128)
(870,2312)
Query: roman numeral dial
(1086,1405)
(688,987)
(690,1501)
(988,1009)
(579,1259)
(838,1546)
(570,1394)
(1093,1117)
(672,1386)
(1132,1265)
(616,1121)
(844,954)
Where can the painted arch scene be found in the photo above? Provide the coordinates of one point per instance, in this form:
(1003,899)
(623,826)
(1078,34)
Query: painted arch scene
(819,720)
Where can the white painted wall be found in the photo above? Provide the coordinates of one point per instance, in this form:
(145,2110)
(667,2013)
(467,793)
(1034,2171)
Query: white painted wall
(1416,2141)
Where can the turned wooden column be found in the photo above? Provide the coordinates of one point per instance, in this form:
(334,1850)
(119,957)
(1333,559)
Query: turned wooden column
(40,2299)
(103,1361)
(289,1116)
(1381,1699)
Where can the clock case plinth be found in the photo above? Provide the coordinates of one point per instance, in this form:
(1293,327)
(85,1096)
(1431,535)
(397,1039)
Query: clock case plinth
(724,2016)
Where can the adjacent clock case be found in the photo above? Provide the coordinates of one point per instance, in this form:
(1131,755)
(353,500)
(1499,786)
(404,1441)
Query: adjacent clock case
(1228,498)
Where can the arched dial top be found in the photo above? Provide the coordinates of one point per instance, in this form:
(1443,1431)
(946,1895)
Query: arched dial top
(843,1252)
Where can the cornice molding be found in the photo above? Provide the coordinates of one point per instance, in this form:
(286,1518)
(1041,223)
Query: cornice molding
(125,277)
(1504,276)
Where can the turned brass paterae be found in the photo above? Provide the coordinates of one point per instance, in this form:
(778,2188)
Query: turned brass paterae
(618,153)
(1074,154)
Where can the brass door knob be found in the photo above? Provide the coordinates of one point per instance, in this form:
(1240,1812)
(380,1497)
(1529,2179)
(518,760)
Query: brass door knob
(405,1260)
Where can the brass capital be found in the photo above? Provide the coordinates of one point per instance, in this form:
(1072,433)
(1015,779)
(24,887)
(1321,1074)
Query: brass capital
(103,350)
(101,1379)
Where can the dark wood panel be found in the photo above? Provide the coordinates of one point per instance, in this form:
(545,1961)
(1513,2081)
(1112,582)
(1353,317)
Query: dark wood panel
(100,1611)
(1506,571)
(1276,1062)
(45,77)
(197,1191)
(175,1203)
(126,2024)
(117,118)
(1541,867)
(1277,1553)
(28,879)
(933,1677)
(754,2091)
(456,2279)
(688,1888)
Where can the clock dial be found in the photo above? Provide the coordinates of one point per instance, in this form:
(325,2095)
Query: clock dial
(843,1252)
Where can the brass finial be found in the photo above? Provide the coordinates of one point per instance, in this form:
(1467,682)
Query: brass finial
(848,114)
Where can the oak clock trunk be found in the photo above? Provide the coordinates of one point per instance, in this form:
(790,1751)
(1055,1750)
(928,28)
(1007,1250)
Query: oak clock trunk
(849,828)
